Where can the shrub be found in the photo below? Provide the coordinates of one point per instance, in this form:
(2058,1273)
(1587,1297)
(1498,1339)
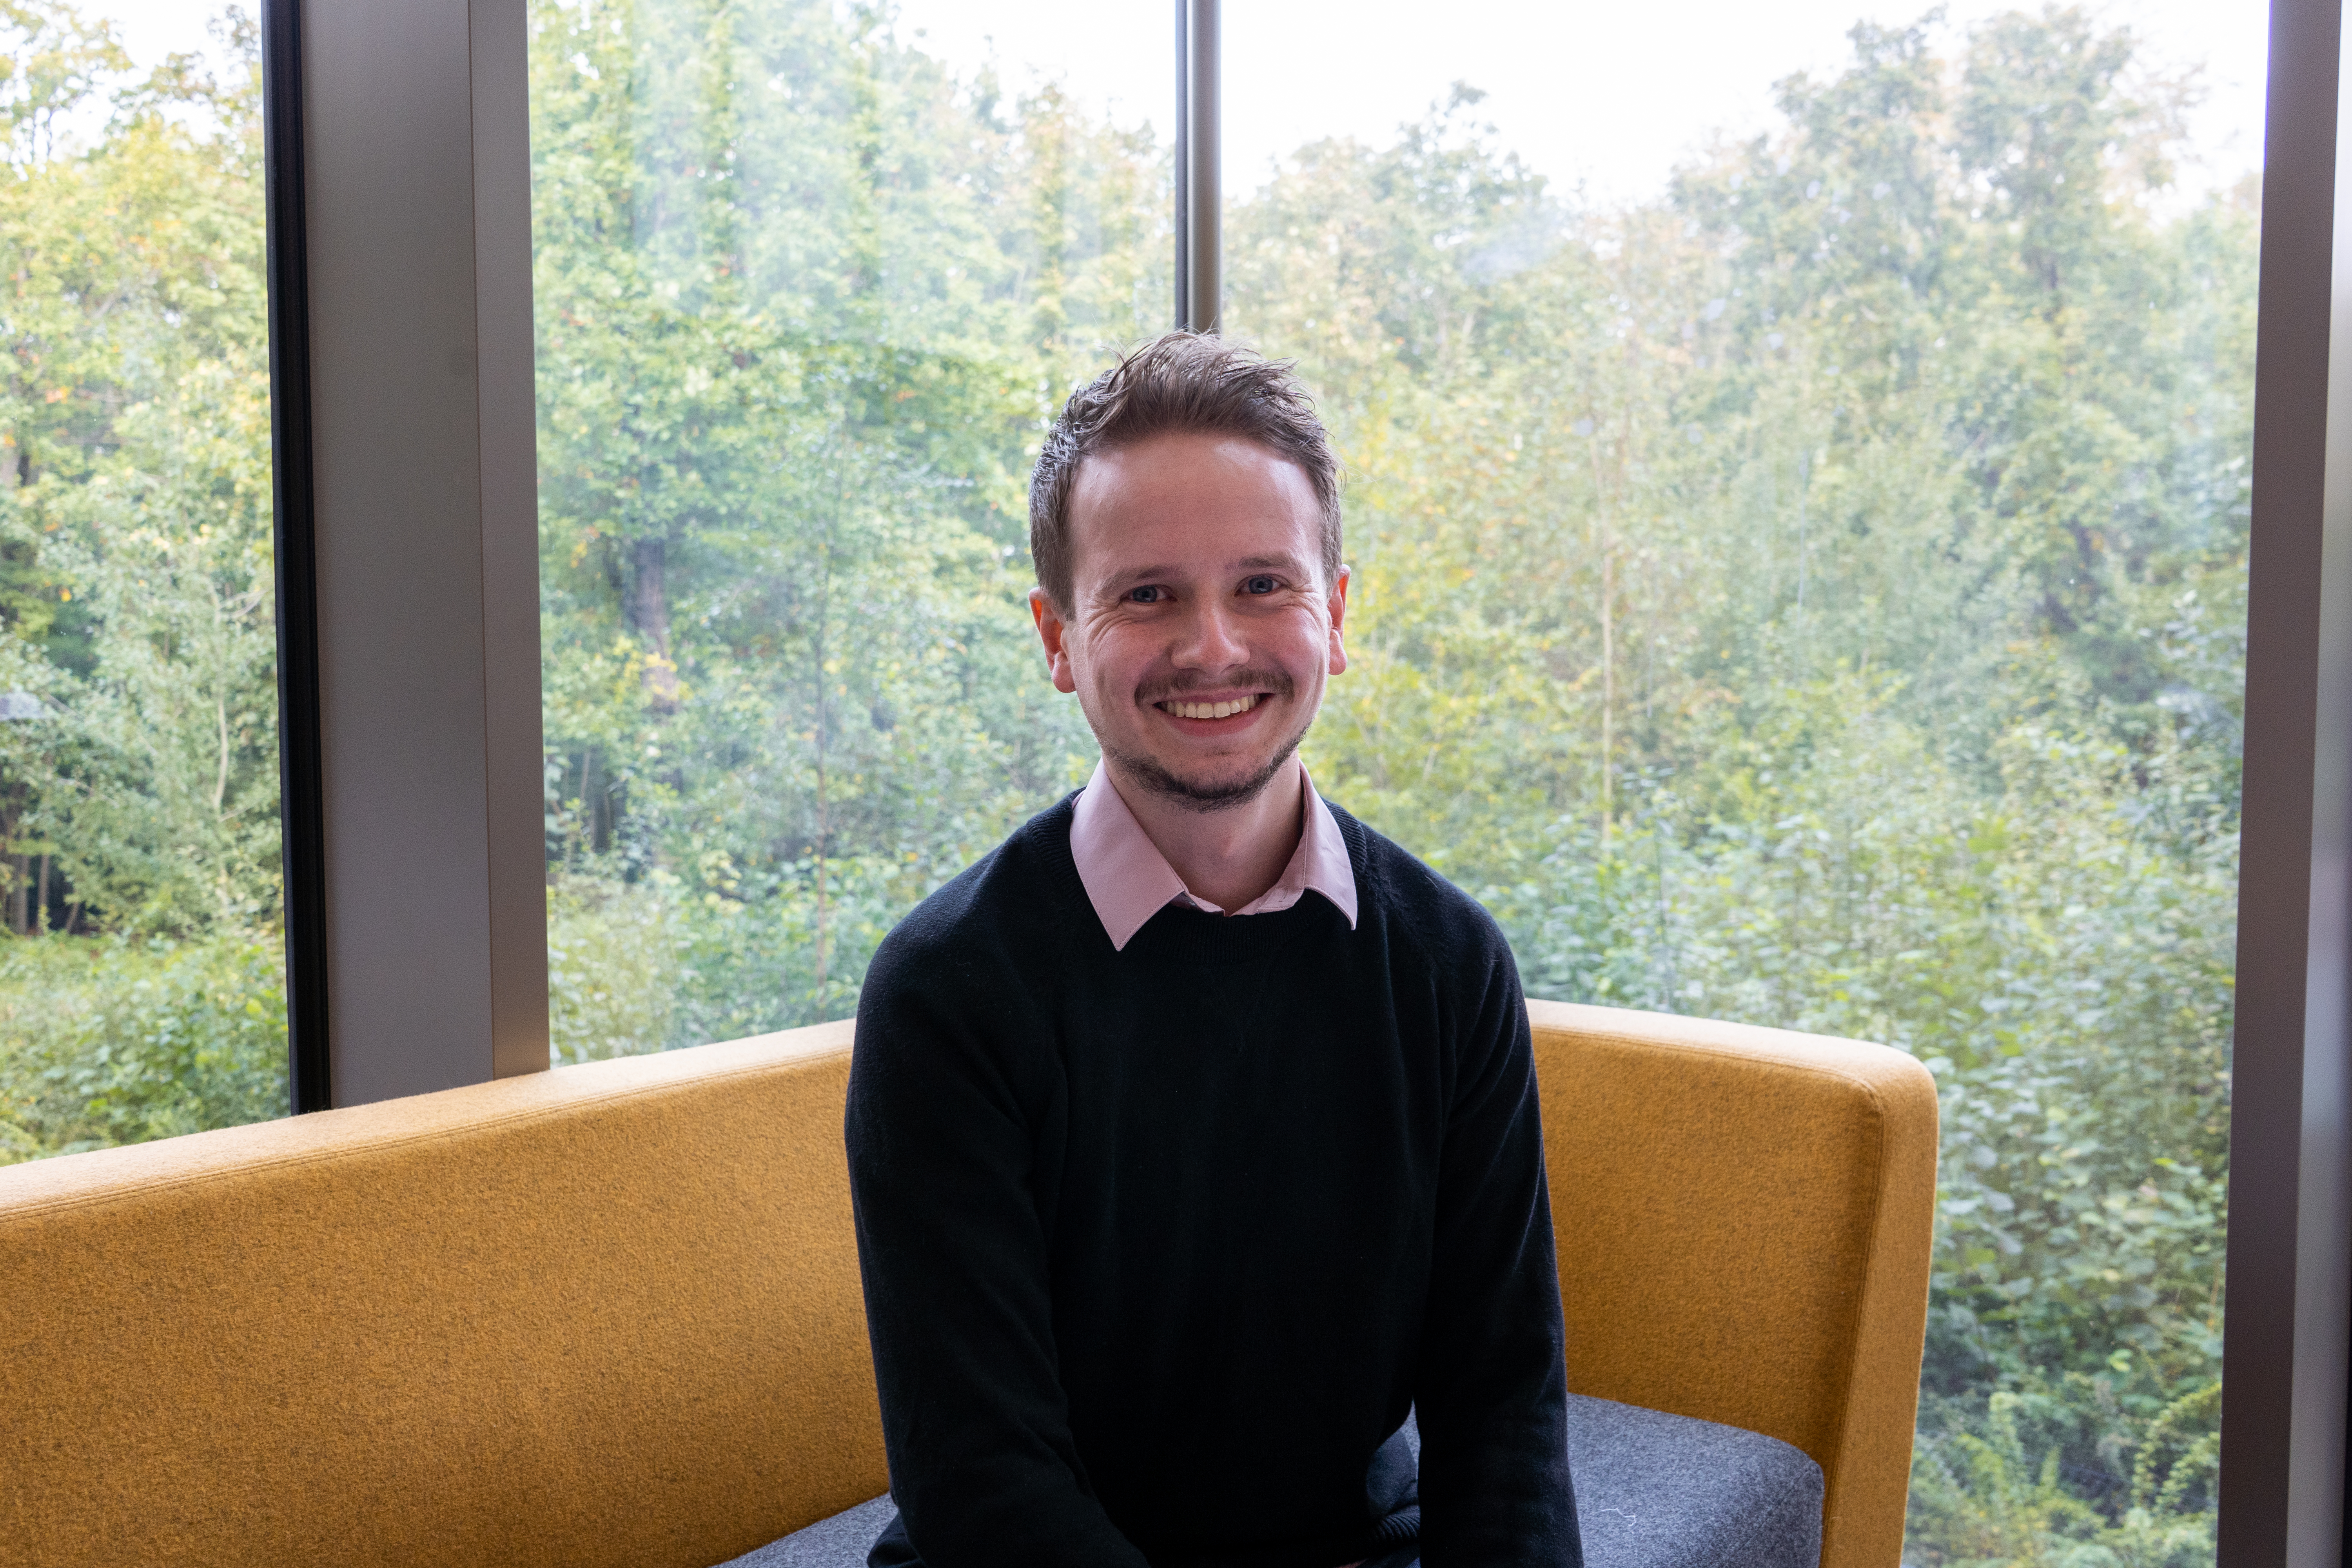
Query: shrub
(107,1040)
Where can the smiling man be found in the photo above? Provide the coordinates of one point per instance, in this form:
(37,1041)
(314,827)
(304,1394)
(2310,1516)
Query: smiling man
(1192,1131)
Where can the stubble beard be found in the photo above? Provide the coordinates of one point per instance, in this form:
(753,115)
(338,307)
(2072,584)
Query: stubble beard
(1205,799)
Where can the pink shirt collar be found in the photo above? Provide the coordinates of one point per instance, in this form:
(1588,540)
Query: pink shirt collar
(1128,880)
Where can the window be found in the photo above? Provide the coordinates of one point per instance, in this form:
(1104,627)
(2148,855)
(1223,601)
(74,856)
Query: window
(966,237)
(1799,499)
(808,287)
(142,973)
(1798,503)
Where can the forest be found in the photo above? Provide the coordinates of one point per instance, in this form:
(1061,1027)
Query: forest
(1812,596)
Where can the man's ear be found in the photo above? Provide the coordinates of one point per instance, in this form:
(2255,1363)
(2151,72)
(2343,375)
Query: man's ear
(1338,607)
(1055,634)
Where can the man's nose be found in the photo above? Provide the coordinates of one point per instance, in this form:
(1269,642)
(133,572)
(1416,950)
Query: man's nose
(1211,639)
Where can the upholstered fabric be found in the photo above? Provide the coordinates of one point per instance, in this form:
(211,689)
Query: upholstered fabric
(1652,1491)
(841,1542)
(1744,1217)
(611,1315)
(1655,1491)
(608,1315)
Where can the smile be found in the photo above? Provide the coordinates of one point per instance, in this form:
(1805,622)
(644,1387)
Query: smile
(1208,710)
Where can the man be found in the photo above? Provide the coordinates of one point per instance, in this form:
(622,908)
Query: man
(1192,1131)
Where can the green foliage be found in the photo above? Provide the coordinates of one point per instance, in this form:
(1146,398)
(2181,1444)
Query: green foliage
(1991,1490)
(1813,596)
(611,966)
(135,485)
(803,301)
(644,964)
(119,1041)
(135,595)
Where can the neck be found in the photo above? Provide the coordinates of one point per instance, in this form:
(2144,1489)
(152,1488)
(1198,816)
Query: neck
(1229,857)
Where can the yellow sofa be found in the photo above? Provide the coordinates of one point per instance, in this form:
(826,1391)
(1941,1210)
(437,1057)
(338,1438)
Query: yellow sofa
(610,1315)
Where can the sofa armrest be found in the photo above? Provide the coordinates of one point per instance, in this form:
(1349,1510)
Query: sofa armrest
(1743,1219)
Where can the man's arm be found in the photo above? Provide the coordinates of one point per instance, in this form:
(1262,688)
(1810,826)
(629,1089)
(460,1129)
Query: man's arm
(957,1304)
(1492,1393)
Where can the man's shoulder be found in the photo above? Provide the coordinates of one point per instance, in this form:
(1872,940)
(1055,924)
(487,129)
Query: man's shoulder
(948,1002)
(1407,891)
(984,910)
(1438,943)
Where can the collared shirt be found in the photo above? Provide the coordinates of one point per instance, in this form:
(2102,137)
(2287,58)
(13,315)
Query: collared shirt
(1128,880)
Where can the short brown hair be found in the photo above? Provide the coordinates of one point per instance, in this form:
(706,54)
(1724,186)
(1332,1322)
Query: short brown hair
(1187,381)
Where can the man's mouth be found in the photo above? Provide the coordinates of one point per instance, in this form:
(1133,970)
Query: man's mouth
(1224,710)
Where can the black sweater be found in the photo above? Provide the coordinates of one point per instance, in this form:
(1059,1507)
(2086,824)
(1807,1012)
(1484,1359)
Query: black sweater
(1160,1245)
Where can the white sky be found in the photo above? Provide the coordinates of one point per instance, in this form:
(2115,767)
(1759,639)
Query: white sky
(1603,90)
(153,28)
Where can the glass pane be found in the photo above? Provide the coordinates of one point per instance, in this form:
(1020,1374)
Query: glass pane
(141,976)
(809,283)
(1798,503)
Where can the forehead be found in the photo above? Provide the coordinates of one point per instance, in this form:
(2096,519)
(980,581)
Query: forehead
(1192,501)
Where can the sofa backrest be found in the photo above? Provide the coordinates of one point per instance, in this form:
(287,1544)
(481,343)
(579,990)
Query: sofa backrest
(611,1315)
(608,1315)
(1743,1219)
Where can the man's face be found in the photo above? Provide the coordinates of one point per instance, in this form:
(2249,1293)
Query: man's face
(1201,631)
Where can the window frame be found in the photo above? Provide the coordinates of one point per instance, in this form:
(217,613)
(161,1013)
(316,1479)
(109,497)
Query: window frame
(294,555)
(2284,1368)
(416,889)
(400,300)
(1198,166)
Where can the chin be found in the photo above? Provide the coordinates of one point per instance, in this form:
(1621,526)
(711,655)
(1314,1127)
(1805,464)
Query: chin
(1218,786)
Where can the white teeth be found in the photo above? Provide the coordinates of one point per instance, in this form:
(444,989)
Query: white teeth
(1212,709)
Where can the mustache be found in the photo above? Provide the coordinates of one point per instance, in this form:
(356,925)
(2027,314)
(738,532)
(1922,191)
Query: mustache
(1253,680)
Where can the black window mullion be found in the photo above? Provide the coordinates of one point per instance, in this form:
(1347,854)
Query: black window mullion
(302,795)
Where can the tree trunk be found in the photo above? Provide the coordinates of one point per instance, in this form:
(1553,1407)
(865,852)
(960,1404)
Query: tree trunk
(648,612)
(824,822)
(1608,685)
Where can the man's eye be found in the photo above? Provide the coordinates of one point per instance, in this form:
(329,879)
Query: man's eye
(1258,585)
(1147,595)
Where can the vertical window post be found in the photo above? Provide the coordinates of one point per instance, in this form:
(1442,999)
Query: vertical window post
(415,224)
(1182,162)
(2283,1426)
(303,822)
(1200,274)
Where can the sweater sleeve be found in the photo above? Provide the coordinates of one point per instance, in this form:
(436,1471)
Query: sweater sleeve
(957,1304)
(1491,1387)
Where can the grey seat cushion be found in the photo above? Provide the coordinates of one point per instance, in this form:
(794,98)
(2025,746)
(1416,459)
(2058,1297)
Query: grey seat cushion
(1652,1491)
(1655,1491)
(840,1541)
